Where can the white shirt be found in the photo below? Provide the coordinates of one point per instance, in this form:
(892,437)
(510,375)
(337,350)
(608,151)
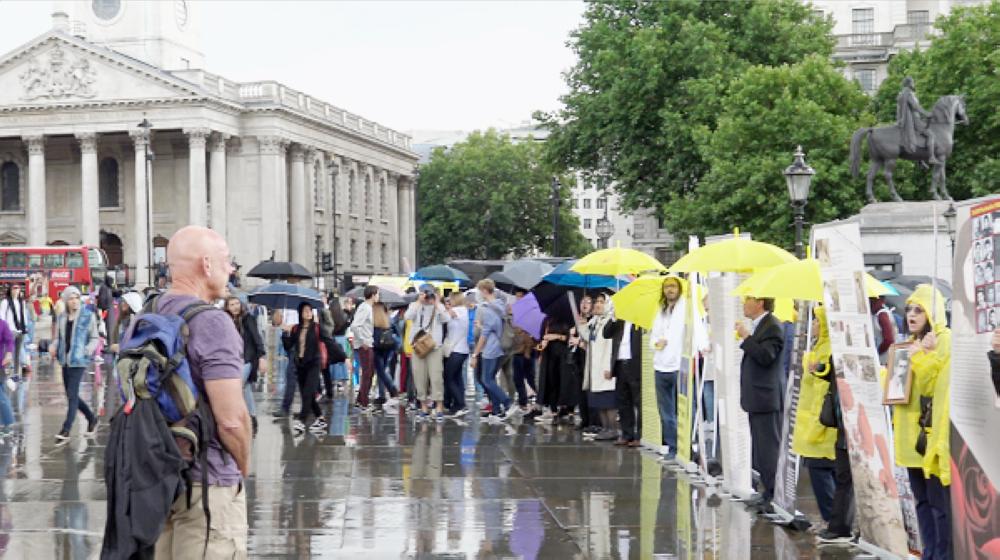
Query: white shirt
(669,326)
(757,321)
(625,347)
(458,330)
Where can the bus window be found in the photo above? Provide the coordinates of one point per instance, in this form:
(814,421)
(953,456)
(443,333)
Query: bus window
(96,257)
(74,259)
(35,261)
(17,260)
(53,261)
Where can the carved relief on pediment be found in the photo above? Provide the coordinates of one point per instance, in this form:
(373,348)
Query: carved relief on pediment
(56,75)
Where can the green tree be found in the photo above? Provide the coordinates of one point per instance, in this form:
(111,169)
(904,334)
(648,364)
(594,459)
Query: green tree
(650,74)
(768,111)
(963,59)
(487,197)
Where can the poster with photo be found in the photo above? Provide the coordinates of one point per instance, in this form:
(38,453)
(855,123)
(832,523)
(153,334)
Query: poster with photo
(975,456)
(880,516)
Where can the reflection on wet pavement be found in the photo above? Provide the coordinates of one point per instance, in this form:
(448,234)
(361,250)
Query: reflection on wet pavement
(385,487)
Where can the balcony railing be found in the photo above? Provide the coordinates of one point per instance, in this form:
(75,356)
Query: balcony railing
(904,33)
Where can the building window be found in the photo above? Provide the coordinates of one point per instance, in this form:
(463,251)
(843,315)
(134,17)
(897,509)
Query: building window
(383,211)
(10,187)
(354,251)
(384,255)
(368,195)
(108,186)
(586,204)
(586,223)
(863,25)
(818,14)
(369,253)
(865,77)
(918,17)
(602,243)
(338,255)
(350,195)
(317,184)
(602,203)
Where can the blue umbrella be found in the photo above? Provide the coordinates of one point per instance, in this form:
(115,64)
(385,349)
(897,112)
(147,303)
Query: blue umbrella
(563,276)
(281,295)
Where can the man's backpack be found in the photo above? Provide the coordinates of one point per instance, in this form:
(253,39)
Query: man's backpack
(508,336)
(153,368)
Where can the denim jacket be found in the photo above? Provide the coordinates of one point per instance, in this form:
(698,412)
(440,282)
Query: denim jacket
(83,340)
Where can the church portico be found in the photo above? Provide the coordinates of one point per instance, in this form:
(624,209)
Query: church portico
(274,170)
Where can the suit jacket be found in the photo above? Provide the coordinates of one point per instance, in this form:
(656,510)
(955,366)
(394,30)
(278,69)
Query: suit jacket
(761,372)
(615,330)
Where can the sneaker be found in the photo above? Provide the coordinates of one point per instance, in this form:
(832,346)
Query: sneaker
(319,425)
(439,417)
(606,435)
(829,537)
(512,412)
(390,410)
(298,427)
(62,437)
(460,413)
(494,419)
(391,402)
(486,410)
(422,416)
(91,428)
(530,416)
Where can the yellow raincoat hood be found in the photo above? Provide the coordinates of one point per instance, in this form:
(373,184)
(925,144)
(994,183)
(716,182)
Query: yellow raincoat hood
(809,437)
(924,297)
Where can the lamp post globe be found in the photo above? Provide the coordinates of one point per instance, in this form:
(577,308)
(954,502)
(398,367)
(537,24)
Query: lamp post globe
(604,230)
(798,177)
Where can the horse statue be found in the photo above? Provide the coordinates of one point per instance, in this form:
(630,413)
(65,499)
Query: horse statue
(885,146)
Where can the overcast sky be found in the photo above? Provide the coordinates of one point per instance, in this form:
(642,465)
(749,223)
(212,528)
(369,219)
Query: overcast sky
(410,65)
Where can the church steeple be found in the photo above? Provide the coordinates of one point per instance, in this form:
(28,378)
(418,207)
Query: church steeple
(164,33)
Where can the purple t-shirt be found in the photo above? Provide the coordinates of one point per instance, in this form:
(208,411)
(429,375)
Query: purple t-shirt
(214,351)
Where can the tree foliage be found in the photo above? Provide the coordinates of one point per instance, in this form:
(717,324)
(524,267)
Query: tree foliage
(963,59)
(650,75)
(487,197)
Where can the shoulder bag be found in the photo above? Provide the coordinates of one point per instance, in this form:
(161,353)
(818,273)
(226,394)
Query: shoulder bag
(423,340)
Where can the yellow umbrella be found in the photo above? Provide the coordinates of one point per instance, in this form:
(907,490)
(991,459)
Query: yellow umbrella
(640,300)
(733,255)
(797,280)
(617,262)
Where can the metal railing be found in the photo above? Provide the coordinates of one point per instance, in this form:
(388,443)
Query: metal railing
(904,33)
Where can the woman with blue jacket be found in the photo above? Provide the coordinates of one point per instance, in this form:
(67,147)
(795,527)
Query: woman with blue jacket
(74,346)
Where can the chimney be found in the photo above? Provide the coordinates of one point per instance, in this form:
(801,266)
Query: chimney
(60,22)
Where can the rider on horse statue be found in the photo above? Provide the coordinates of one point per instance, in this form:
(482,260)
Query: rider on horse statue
(910,120)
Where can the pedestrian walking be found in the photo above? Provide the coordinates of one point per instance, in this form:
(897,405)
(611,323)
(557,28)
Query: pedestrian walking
(17,314)
(491,319)
(7,350)
(341,323)
(303,342)
(428,316)
(386,342)
(254,353)
(363,328)
(74,349)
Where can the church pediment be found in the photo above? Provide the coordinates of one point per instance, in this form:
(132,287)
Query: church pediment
(59,70)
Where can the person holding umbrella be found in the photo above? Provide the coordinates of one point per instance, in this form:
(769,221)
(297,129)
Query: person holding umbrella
(254,353)
(302,342)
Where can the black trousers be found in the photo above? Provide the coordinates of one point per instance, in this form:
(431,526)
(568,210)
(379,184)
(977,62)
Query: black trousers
(765,433)
(308,377)
(628,393)
(842,516)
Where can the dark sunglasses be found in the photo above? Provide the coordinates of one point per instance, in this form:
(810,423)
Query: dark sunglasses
(914,309)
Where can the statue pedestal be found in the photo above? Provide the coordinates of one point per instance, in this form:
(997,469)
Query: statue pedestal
(906,229)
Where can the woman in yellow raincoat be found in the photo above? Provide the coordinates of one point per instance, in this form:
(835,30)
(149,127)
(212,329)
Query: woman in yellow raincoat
(928,468)
(823,447)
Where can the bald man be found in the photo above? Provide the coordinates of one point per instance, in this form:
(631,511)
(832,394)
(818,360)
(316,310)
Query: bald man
(199,267)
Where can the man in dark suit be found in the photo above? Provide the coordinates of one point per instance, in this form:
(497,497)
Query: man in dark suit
(761,376)
(627,370)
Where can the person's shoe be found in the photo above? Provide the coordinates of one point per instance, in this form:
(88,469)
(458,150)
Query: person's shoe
(421,416)
(439,417)
(390,410)
(827,536)
(592,430)
(298,427)
(391,402)
(621,442)
(62,437)
(512,413)
(530,416)
(460,413)
(494,419)
(91,428)
(318,425)
(606,435)
(486,410)
(634,443)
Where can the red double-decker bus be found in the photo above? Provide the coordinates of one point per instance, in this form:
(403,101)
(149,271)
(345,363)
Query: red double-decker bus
(48,270)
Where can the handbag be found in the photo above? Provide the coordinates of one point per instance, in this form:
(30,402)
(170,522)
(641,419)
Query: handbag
(925,421)
(423,342)
(324,356)
(385,341)
(828,413)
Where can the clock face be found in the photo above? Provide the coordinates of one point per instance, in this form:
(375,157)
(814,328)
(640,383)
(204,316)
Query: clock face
(181,12)
(106,9)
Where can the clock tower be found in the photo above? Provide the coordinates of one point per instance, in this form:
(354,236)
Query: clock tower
(163,33)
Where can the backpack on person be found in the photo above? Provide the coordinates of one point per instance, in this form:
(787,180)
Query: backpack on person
(160,432)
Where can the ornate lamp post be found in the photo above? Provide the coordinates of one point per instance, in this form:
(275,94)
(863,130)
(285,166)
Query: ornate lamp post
(604,229)
(147,128)
(556,187)
(950,216)
(799,176)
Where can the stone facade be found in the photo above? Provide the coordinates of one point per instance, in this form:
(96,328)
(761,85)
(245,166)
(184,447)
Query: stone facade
(275,170)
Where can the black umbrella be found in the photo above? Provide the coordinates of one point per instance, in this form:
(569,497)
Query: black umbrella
(388,297)
(442,273)
(276,270)
(502,281)
(281,295)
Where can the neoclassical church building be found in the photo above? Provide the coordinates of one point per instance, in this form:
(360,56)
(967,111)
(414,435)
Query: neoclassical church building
(277,171)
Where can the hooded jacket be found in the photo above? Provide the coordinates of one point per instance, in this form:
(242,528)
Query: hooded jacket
(599,356)
(930,371)
(810,438)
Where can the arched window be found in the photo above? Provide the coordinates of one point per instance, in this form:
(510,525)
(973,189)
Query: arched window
(10,187)
(108,173)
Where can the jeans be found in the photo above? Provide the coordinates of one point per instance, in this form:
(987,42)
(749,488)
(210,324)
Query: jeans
(666,400)
(933,515)
(71,382)
(842,514)
(824,484)
(366,356)
(6,412)
(524,377)
(386,383)
(290,381)
(339,371)
(454,384)
(248,390)
(498,398)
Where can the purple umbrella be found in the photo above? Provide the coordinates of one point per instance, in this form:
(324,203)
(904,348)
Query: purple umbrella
(528,316)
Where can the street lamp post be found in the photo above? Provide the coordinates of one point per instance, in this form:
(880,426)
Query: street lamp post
(556,187)
(799,176)
(950,217)
(147,128)
(604,229)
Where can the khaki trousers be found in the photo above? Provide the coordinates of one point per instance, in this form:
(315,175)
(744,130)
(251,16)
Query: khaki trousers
(184,535)
(429,370)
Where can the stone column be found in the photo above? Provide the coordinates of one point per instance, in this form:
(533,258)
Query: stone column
(90,210)
(272,218)
(298,215)
(392,191)
(37,235)
(312,194)
(217,161)
(197,189)
(402,225)
(411,220)
(141,212)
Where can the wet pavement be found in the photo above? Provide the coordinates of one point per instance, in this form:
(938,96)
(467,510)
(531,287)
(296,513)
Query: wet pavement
(385,487)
